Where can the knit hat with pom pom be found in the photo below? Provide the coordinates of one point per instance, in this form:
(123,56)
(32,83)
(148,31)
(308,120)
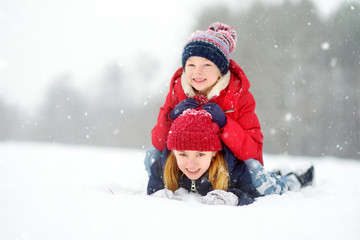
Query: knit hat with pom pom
(194,130)
(214,44)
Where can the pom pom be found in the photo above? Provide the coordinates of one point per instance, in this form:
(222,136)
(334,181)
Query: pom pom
(201,99)
(227,31)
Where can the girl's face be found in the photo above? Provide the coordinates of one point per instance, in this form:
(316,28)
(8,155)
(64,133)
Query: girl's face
(193,163)
(201,73)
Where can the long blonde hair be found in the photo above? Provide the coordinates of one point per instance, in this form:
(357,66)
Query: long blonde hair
(218,173)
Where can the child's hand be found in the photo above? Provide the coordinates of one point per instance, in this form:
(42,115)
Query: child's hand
(187,103)
(164,193)
(181,192)
(220,197)
(216,113)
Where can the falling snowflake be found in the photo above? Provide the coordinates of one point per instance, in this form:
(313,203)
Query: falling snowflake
(288,117)
(325,46)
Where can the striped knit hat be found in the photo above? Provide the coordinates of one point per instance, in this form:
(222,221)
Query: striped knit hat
(194,130)
(215,44)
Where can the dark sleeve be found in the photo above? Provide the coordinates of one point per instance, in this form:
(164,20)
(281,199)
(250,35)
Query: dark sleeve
(243,198)
(241,184)
(156,181)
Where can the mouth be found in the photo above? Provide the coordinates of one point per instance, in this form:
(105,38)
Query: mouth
(192,171)
(199,80)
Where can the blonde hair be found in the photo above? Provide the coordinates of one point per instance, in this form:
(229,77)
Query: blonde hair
(218,173)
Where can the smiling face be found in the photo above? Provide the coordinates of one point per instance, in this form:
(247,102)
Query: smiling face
(193,163)
(201,73)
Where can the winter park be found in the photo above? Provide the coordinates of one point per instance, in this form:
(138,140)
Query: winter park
(88,88)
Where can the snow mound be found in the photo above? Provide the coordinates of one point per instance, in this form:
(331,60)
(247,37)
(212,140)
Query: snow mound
(67,192)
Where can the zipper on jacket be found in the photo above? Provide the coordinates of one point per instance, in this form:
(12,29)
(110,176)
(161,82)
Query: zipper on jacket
(193,186)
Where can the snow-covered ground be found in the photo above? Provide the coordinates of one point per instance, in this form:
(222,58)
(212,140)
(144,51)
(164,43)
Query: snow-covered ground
(53,191)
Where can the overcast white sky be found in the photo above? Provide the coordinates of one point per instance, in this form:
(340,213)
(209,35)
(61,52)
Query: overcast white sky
(42,39)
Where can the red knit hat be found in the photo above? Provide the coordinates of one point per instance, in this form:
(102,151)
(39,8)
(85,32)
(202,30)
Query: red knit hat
(194,130)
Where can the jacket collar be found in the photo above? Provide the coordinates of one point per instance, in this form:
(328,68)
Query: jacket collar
(220,85)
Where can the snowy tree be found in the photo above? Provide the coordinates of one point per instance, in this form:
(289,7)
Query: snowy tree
(63,114)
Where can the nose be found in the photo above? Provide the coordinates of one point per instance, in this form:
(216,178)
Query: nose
(198,70)
(191,162)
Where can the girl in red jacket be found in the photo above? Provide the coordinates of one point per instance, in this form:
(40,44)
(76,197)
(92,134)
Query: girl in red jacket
(209,78)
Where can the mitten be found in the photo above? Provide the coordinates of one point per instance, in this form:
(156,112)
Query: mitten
(220,197)
(216,113)
(184,195)
(187,103)
(164,193)
(180,193)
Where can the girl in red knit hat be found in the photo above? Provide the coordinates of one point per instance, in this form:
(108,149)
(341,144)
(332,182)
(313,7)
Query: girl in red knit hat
(197,162)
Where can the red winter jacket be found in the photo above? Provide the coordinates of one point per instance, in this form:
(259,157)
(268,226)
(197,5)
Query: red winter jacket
(242,132)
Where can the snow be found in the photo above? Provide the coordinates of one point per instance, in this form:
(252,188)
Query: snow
(325,46)
(53,191)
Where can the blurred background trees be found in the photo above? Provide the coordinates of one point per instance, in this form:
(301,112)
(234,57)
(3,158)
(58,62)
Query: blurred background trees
(304,71)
